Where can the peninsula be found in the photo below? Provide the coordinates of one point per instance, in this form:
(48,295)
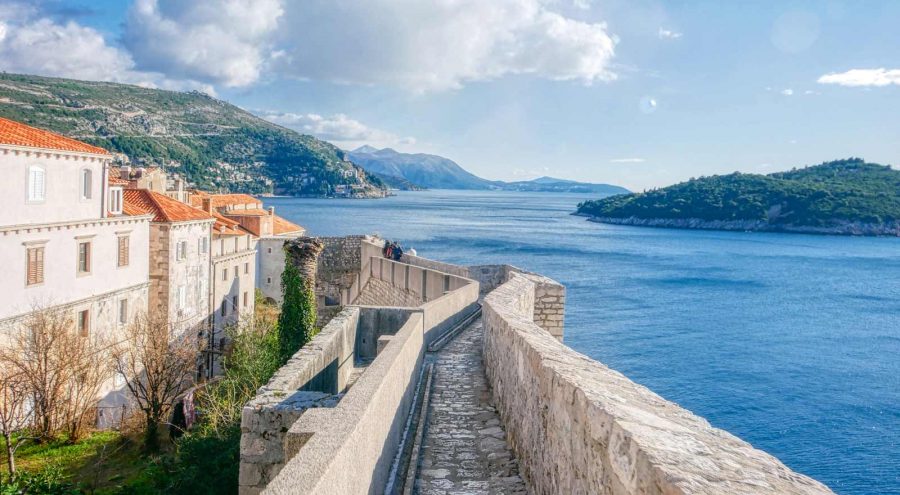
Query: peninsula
(843,197)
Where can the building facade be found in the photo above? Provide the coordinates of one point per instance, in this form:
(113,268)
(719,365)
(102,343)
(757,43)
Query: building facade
(66,241)
(270,230)
(180,259)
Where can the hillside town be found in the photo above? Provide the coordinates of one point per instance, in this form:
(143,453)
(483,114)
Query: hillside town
(102,243)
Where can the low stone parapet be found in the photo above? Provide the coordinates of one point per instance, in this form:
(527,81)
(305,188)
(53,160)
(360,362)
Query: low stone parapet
(577,426)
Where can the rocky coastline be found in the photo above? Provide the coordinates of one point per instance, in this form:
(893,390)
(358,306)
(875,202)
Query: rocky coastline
(891,229)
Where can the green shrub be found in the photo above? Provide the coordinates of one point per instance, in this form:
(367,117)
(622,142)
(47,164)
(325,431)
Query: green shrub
(49,481)
(297,322)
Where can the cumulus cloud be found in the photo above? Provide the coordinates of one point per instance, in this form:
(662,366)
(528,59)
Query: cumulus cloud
(666,34)
(863,77)
(433,46)
(34,43)
(422,46)
(787,92)
(222,42)
(339,129)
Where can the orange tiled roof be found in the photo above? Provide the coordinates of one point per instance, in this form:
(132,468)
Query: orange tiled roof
(282,226)
(227,226)
(18,134)
(165,208)
(221,200)
(115,181)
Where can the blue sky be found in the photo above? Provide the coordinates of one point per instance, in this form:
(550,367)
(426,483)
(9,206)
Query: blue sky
(638,93)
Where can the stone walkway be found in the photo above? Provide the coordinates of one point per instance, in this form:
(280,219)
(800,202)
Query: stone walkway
(464,450)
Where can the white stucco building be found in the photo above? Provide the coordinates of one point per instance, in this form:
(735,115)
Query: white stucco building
(64,238)
(179,260)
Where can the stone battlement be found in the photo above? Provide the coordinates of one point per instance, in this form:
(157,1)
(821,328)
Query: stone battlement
(334,419)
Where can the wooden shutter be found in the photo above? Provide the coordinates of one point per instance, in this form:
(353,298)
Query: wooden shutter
(35,272)
(123,250)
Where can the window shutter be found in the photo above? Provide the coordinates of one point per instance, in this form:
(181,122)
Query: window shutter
(35,265)
(123,250)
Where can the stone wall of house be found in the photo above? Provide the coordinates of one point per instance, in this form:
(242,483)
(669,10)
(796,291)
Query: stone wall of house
(577,426)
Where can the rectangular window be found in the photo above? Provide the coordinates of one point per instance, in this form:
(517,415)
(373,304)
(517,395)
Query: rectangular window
(36,184)
(115,200)
(203,245)
(246,268)
(246,299)
(224,273)
(84,257)
(236,272)
(182,297)
(236,240)
(35,271)
(268,280)
(123,311)
(84,322)
(87,184)
(181,251)
(224,309)
(123,252)
(234,304)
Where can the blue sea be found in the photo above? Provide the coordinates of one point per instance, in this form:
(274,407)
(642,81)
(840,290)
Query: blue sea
(789,341)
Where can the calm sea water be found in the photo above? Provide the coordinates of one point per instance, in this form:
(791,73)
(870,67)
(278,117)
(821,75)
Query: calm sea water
(791,342)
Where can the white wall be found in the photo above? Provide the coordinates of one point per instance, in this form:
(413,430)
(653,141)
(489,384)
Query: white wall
(62,283)
(191,272)
(62,201)
(270,266)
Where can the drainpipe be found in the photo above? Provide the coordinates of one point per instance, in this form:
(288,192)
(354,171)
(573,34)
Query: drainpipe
(104,188)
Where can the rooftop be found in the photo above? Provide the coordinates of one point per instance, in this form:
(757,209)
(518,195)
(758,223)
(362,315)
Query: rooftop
(223,200)
(165,209)
(18,134)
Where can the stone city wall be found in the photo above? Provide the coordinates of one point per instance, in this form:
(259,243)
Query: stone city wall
(349,449)
(380,293)
(316,372)
(344,439)
(577,426)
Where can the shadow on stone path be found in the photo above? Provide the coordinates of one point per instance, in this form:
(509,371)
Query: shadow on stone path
(464,448)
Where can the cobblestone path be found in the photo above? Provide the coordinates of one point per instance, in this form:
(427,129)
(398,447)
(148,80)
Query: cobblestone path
(464,450)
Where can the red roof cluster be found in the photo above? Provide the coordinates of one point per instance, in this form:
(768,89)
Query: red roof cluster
(165,209)
(18,134)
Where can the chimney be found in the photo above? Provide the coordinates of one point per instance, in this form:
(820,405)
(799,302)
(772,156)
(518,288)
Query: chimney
(207,205)
(272,211)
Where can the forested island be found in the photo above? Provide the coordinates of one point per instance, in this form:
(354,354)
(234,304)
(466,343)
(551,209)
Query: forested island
(845,197)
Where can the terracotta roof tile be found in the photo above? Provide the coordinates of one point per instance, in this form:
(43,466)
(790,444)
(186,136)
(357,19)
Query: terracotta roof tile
(223,200)
(115,181)
(18,134)
(282,226)
(165,208)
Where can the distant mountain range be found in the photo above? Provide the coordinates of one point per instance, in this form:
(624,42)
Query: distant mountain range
(437,172)
(848,197)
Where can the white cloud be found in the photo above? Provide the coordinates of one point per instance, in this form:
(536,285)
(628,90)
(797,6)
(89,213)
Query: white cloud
(666,34)
(35,44)
(627,160)
(339,129)
(863,77)
(433,46)
(582,4)
(222,42)
(787,92)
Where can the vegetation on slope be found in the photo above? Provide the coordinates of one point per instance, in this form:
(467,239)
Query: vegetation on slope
(213,144)
(821,196)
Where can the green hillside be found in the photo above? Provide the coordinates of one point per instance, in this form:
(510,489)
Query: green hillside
(211,143)
(822,196)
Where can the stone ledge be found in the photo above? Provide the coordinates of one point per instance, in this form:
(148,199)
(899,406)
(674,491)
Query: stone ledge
(584,428)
